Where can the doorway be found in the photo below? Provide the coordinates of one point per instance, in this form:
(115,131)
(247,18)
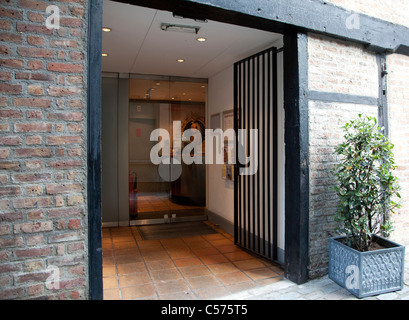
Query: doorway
(211,65)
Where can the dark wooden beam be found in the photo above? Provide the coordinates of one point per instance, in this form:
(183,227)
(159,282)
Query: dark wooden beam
(296,155)
(94,150)
(284,15)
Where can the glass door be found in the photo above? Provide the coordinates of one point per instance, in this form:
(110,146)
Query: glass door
(162,188)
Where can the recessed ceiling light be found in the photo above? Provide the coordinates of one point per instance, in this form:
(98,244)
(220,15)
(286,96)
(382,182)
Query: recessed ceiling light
(180,60)
(105,54)
(105,29)
(201,39)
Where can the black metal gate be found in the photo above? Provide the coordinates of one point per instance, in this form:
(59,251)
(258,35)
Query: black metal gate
(255,107)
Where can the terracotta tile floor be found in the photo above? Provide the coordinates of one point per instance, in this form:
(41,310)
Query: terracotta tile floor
(152,202)
(199,267)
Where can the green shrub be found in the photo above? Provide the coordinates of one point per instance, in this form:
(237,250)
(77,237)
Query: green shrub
(366,188)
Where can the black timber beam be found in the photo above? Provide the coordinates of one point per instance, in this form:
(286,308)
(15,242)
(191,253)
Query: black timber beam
(296,155)
(283,15)
(94,150)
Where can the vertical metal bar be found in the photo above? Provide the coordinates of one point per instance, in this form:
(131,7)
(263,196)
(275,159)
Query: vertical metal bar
(244,146)
(236,115)
(269,152)
(240,125)
(258,204)
(252,178)
(275,155)
(263,161)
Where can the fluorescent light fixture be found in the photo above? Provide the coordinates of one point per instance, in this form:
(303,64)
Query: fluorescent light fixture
(105,29)
(179,28)
(105,54)
(179,16)
(201,39)
(180,60)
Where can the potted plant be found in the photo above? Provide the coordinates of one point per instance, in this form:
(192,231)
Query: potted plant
(363,260)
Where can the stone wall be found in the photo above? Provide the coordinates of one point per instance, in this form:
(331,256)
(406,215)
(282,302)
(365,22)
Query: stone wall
(43,93)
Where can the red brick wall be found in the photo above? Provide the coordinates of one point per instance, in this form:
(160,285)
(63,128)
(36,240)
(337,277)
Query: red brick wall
(43,150)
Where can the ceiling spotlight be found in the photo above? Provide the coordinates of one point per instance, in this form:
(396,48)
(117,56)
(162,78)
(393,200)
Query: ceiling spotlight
(179,28)
(105,54)
(180,60)
(105,29)
(201,39)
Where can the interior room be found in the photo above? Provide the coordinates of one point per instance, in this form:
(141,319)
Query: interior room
(164,71)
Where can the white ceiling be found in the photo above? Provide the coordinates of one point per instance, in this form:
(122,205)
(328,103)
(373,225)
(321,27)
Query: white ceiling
(137,44)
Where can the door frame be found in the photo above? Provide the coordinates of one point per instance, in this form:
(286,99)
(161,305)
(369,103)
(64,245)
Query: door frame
(296,134)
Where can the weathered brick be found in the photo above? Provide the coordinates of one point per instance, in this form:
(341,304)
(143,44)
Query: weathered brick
(10,88)
(10,140)
(33,152)
(33,252)
(32,202)
(34,76)
(11,190)
(4,153)
(12,63)
(64,67)
(62,140)
(62,188)
(34,64)
(67,116)
(32,102)
(5,24)
(10,13)
(33,127)
(33,28)
(5,75)
(11,37)
(6,113)
(33,227)
(63,91)
(4,50)
(68,164)
(35,52)
(31,4)
(34,140)
(9,165)
(64,212)
(64,43)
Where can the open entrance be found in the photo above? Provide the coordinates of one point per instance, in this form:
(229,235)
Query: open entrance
(161,70)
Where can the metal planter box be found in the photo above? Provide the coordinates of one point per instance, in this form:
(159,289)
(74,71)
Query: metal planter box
(367,273)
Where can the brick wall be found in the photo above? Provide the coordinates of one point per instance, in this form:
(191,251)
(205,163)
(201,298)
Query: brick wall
(43,150)
(343,68)
(398,102)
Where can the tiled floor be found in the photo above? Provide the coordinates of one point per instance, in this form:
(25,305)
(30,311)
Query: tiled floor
(151,202)
(199,267)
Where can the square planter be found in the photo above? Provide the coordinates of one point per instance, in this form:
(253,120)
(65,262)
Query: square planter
(369,273)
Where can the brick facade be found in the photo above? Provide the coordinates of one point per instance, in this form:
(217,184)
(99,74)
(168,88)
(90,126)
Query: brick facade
(43,141)
(398,103)
(43,150)
(345,68)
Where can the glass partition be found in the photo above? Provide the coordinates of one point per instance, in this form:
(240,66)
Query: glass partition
(170,190)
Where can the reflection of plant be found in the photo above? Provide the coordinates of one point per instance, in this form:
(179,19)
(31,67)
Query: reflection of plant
(366,184)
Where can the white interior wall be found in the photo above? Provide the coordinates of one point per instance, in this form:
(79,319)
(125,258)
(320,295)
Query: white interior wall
(220,192)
